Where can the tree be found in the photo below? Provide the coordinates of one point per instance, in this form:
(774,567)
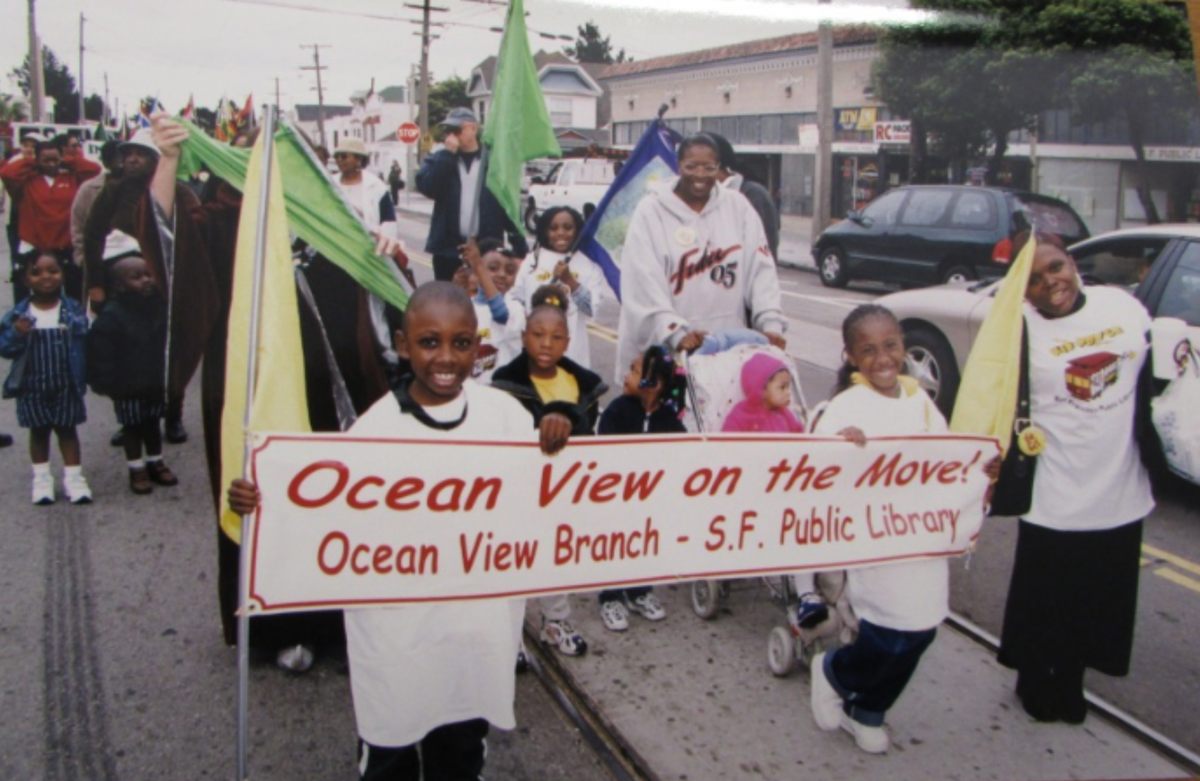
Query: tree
(1127,60)
(590,47)
(969,85)
(57,83)
(12,109)
(444,95)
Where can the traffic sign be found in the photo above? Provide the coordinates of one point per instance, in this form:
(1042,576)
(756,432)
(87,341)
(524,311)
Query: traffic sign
(408,132)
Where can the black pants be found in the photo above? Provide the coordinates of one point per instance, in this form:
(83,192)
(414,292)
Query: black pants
(444,267)
(870,674)
(452,752)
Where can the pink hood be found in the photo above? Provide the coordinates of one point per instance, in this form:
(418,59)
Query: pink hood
(756,373)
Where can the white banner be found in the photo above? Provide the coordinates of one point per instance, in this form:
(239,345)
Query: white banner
(348,522)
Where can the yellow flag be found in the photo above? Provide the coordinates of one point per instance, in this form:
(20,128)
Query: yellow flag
(987,395)
(280,401)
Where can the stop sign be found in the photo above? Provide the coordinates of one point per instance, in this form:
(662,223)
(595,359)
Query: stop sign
(408,132)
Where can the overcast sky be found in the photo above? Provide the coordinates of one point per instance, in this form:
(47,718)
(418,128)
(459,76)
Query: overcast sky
(173,48)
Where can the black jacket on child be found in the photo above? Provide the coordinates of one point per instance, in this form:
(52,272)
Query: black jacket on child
(626,415)
(514,378)
(127,348)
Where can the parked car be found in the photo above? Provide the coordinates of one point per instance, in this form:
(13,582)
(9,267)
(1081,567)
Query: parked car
(578,183)
(1159,264)
(926,234)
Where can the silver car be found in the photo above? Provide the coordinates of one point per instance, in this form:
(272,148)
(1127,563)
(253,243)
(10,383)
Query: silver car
(1159,264)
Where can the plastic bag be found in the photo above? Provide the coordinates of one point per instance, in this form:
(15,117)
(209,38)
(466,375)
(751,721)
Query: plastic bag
(1176,415)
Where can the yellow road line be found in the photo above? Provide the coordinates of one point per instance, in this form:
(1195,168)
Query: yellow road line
(1171,558)
(1182,580)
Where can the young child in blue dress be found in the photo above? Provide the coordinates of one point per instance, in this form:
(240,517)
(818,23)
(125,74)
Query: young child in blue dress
(45,337)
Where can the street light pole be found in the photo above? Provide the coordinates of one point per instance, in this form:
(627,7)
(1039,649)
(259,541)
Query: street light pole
(35,67)
(822,205)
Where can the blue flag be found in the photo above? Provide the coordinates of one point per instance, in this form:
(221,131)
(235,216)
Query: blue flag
(603,237)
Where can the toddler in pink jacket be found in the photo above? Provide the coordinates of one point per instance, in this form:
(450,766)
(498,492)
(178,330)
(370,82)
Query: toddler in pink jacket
(767,384)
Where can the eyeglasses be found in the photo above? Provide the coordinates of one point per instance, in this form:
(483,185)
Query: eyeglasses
(699,168)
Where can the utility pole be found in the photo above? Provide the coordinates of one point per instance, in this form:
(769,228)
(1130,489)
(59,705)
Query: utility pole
(82,116)
(425,8)
(35,67)
(409,173)
(316,66)
(824,190)
(277,91)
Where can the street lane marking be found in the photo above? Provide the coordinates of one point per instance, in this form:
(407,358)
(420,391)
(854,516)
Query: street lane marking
(1178,579)
(1171,558)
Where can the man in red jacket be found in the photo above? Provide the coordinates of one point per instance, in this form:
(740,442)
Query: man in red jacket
(45,187)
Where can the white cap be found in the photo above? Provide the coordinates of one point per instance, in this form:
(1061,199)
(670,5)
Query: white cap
(119,245)
(143,138)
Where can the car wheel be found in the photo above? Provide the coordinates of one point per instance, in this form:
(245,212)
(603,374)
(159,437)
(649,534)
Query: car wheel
(958,273)
(531,217)
(832,267)
(931,363)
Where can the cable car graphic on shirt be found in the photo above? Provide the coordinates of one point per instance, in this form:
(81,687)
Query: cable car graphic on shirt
(1088,377)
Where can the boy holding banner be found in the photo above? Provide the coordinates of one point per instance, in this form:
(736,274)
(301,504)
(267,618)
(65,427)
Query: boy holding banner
(428,679)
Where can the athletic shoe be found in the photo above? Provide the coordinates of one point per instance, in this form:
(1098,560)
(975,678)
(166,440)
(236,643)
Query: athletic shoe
(810,611)
(614,616)
(295,658)
(648,607)
(873,740)
(43,489)
(561,634)
(826,702)
(6,439)
(77,489)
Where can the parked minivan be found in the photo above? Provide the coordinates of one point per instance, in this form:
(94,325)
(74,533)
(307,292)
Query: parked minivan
(930,234)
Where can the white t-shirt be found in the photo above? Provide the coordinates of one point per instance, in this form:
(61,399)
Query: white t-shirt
(498,343)
(538,270)
(1083,373)
(417,667)
(907,595)
(46,318)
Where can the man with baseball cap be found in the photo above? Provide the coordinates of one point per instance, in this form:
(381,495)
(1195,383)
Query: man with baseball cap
(450,177)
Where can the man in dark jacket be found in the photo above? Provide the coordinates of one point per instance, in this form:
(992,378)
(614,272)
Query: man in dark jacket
(758,196)
(451,178)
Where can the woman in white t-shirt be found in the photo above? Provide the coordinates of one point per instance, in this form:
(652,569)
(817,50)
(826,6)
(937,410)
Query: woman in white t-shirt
(1073,595)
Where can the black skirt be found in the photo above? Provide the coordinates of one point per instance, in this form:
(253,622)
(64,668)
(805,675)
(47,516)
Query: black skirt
(1073,599)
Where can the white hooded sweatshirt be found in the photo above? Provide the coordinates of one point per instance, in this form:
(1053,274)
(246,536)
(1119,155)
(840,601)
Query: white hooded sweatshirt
(683,270)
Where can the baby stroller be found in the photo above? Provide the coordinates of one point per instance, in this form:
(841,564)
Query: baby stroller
(714,383)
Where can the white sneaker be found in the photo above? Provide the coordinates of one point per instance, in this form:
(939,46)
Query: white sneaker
(77,489)
(295,659)
(43,489)
(562,635)
(873,740)
(826,702)
(648,606)
(614,616)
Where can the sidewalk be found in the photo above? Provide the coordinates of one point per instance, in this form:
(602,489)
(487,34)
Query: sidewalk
(695,700)
(794,236)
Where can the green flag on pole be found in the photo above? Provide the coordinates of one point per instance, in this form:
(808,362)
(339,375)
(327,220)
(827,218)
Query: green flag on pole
(316,211)
(518,126)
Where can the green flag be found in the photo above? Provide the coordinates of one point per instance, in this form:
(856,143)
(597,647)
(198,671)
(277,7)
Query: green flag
(518,126)
(101,133)
(316,210)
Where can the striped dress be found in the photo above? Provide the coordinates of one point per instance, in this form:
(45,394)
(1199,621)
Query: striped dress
(49,396)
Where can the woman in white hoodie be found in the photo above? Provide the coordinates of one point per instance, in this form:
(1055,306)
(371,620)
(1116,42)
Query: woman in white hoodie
(695,260)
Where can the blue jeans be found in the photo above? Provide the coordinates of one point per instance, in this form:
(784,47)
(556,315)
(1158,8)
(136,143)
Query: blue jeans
(871,672)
